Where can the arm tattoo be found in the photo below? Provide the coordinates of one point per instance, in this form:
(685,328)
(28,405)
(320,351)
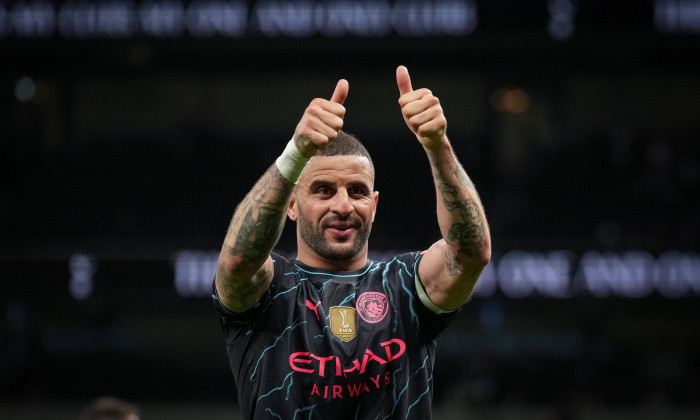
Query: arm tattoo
(255,227)
(467,230)
(257,224)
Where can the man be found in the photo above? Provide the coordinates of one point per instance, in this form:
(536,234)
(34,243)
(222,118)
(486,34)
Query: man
(331,334)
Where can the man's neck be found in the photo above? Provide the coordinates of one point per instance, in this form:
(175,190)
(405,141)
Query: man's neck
(355,263)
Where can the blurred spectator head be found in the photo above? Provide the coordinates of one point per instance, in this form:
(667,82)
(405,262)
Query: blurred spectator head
(109,408)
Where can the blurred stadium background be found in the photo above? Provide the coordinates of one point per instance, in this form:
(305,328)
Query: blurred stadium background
(130,129)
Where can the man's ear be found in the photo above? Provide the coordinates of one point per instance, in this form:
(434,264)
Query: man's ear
(376,201)
(292,211)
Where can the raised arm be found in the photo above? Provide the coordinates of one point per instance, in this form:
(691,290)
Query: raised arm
(245,268)
(451,267)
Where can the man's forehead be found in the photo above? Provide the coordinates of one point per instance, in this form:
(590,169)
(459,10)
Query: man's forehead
(337,166)
(340,163)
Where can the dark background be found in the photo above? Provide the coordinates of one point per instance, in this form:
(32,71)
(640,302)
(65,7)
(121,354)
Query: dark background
(127,151)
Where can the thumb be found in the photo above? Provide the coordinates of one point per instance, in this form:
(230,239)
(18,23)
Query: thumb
(340,92)
(403,80)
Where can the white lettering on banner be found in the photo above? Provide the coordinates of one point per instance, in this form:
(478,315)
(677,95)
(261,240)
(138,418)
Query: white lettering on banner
(194,272)
(339,18)
(675,274)
(518,274)
(409,18)
(32,20)
(626,275)
(284,18)
(449,18)
(205,19)
(85,20)
(677,16)
(120,19)
(162,19)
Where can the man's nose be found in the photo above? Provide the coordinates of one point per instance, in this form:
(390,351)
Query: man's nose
(342,204)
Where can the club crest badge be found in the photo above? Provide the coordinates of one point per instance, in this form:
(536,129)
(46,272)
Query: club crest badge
(343,323)
(372,306)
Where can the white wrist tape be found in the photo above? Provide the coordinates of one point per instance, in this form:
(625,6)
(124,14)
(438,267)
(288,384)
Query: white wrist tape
(291,163)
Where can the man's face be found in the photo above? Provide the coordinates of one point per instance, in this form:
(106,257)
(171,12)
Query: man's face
(334,205)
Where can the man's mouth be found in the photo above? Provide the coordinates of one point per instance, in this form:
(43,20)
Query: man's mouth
(341,229)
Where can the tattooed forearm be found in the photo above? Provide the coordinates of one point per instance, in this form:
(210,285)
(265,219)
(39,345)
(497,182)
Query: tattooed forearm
(456,261)
(469,234)
(258,222)
(244,268)
(257,233)
(467,228)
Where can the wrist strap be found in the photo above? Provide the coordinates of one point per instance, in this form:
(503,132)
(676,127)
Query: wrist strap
(291,163)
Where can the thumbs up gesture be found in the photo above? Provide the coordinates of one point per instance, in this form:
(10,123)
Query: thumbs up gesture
(321,121)
(421,110)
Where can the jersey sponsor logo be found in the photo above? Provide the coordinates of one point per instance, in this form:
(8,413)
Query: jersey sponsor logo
(372,306)
(343,323)
(351,390)
(306,362)
(364,374)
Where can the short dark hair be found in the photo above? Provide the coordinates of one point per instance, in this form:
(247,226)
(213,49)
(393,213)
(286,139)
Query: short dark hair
(346,144)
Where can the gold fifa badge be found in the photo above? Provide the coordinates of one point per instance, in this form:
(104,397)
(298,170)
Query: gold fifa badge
(343,322)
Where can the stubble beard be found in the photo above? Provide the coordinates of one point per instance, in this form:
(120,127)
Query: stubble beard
(315,239)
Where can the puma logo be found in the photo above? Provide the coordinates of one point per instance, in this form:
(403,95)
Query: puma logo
(313,308)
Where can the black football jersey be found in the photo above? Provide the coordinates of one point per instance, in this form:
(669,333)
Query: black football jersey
(335,345)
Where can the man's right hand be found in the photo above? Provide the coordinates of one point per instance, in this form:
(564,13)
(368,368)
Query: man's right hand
(321,122)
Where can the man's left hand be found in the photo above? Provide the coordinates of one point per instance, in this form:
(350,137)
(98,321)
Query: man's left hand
(421,110)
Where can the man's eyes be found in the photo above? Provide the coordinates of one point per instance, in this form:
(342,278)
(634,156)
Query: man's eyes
(353,191)
(356,191)
(323,191)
